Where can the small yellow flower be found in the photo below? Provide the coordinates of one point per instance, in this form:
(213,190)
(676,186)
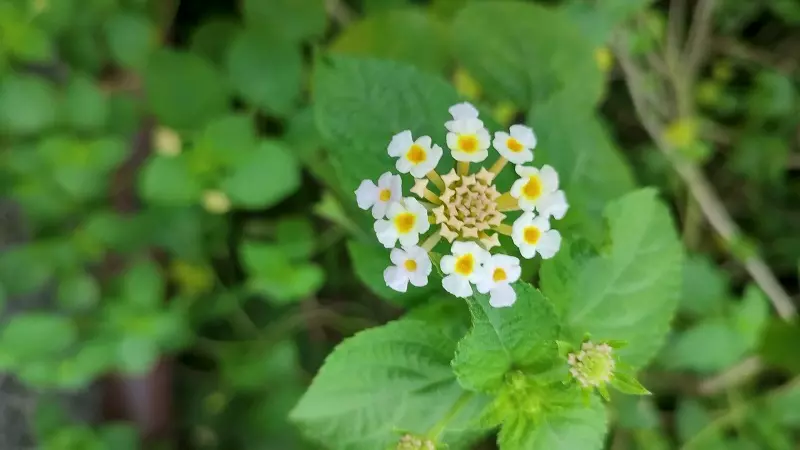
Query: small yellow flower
(216,202)
(167,142)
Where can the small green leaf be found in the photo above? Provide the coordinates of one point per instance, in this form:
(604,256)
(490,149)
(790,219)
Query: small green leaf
(167,181)
(693,418)
(34,336)
(296,238)
(570,426)
(131,38)
(708,347)
(521,336)
(183,90)
(751,315)
(85,107)
(137,355)
(778,345)
(213,38)
(628,384)
(297,20)
(27,105)
(142,285)
(264,178)
(386,379)
(272,274)
(705,287)
(266,71)
(78,292)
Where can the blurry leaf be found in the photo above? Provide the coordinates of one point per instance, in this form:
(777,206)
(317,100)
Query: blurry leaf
(635,413)
(296,238)
(779,345)
(3,298)
(705,287)
(488,37)
(571,426)
(225,141)
(449,317)
(761,157)
(264,178)
(213,37)
(131,38)
(382,380)
(32,336)
(25,268)
(85,107)
(137,355)
(272,274)
(521,337)
(784,407)
(710,346)
(78,292)
(21,37)
(297,20)
(124,114)
(362,103)
(80,167)
(751,315)
(121,436)
(183,90)
(369,262)
(774,96)
(408,35)
(265,70)
(167,181)
(631,291)
(253,369)
(142,285)
(81,48)
(27,105)
(330,208)
(787,10)
(692,418)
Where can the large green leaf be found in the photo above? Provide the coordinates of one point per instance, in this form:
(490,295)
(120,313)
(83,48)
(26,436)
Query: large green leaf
(406,34)
(576,426)
(362,103)
(520,337)
(526,53)
(384,381)
(630,292)
(294,19)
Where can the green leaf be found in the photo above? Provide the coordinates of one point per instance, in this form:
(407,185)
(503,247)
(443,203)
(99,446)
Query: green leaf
(266,71)
(22,39)
(27,105)
(252,368)
(297,20)
(572,426)
(142,285)
(362,103)
(785,406)
(183,90)
(296,238)
(213,38)
(408,35)
(628,384)
(509,48)
(520,337)
(131,37)
(631,291)
(778,345)
(705,287)
(38,336)
(137,355)
(272,274)
(85,107)
(384,380)
(708,347)
(78,292)
(167,181)
(761,156)
(751,315)
(692,418)
(264,178)
(369,262)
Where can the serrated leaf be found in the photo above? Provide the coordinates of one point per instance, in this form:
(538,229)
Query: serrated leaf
(362,103)
(631,291)
(521,337)
(403,34)
(266,70)
(575,426)
(489,37)
(383,380)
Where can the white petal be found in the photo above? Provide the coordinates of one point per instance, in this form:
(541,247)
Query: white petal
(398,256)
(462,247)
(463,110)
(395,278)
(396,188)
(527,251)
(549,244)
(457,285)
(554,205)
(526,171)
(386,233)
(385,181)
(541,222)
(452,141)
(500,140)
(516,188)
(524,135)
(403,165)
(485,283)
(448,263)
(549,178)
(409,239)
(400,143)
(484,139)
(379,210)
(418,279)
(522,157)
(502,296)
(424,142)
(395,209)
(366,194)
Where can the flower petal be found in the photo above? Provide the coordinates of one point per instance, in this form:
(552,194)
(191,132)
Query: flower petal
(400,143)
(457,286)
(366,194)
(463,110)
(395,278)
(524,135)
(549,244)
(502,296)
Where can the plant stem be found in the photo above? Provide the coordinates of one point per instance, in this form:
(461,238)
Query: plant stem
(436,431)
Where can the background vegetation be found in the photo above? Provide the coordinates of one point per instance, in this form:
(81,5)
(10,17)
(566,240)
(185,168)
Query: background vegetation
(179,236)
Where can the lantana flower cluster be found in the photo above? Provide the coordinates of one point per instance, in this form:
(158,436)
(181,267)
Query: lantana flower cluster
(466,208)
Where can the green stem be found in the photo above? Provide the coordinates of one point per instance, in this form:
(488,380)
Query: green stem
(436,431)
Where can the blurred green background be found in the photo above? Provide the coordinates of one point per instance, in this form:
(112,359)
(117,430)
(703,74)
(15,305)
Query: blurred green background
(180,247)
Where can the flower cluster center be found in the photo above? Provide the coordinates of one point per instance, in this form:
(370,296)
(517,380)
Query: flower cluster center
(593,365)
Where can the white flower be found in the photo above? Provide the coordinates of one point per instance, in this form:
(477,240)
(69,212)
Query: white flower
(517,146)
(406,220)
(410,264)
(418,157)
(462,267)
(463,110)
(532,234)
(539,189)
(468,140)
(379,197)
(496,277)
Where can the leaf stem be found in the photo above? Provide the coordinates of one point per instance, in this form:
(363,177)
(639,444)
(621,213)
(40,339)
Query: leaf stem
(436,431)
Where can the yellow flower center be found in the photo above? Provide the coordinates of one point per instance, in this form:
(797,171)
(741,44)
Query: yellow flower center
(514,145)
(404,222)
(465,264)
(533,188)
(532,235)
(468,143)
(410,265)
(416,154)
(499,275)
(385,195)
